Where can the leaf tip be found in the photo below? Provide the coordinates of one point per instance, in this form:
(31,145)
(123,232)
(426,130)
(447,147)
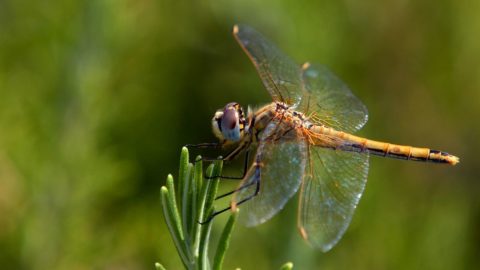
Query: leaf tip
(287,266)
(158,266)
(169,184)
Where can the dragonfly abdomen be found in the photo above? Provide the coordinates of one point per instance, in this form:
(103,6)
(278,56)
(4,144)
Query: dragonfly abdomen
(405,152)
(328,137)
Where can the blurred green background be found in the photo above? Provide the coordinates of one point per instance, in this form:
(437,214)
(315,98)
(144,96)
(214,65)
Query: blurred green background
(97,98)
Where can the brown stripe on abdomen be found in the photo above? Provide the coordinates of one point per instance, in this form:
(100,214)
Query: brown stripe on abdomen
(397,151)
(410,153)
(349,142)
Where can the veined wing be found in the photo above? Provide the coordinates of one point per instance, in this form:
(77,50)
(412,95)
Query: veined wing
(308,89)
(331,101)
(333,185)
(276,174)
(280,74)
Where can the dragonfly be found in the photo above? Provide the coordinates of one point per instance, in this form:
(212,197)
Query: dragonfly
(304,143)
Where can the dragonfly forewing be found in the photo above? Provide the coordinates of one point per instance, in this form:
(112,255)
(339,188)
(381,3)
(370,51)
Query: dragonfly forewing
(330,100)
(279,73)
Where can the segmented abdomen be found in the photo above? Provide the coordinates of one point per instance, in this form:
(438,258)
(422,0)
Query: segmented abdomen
(328,137)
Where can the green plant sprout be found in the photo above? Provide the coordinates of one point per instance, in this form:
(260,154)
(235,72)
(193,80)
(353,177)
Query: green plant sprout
(191,203)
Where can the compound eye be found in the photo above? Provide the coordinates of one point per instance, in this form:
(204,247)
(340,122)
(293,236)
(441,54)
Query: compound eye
(229,120)
(229,125)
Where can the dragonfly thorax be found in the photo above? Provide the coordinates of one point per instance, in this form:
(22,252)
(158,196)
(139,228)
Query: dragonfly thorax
(228,123)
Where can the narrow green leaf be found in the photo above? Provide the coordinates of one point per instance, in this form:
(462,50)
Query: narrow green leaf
(198,176)
(287,266)
(201,207)
(187,200)
(173,205)
(182,173)
(212,184)
(158,266)
(224,241)
(204,241)
(196,189)
(192,204)
(172,224)
(207,196)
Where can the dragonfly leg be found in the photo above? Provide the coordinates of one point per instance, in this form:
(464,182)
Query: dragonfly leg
(204,145)
(245,167)
(237,190)
(257,190)
(231,155)
(214,145)
(214,214)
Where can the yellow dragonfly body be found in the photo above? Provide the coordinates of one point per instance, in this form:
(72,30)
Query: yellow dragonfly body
(303,142)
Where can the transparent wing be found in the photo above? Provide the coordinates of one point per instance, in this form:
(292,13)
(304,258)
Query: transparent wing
(312,88)
(280,75)
(277,172)
(332,103)
(333,185)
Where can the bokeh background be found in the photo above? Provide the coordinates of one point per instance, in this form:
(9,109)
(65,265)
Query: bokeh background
(97,98)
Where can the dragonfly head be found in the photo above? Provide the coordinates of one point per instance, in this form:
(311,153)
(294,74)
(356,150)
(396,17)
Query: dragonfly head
(228,123)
